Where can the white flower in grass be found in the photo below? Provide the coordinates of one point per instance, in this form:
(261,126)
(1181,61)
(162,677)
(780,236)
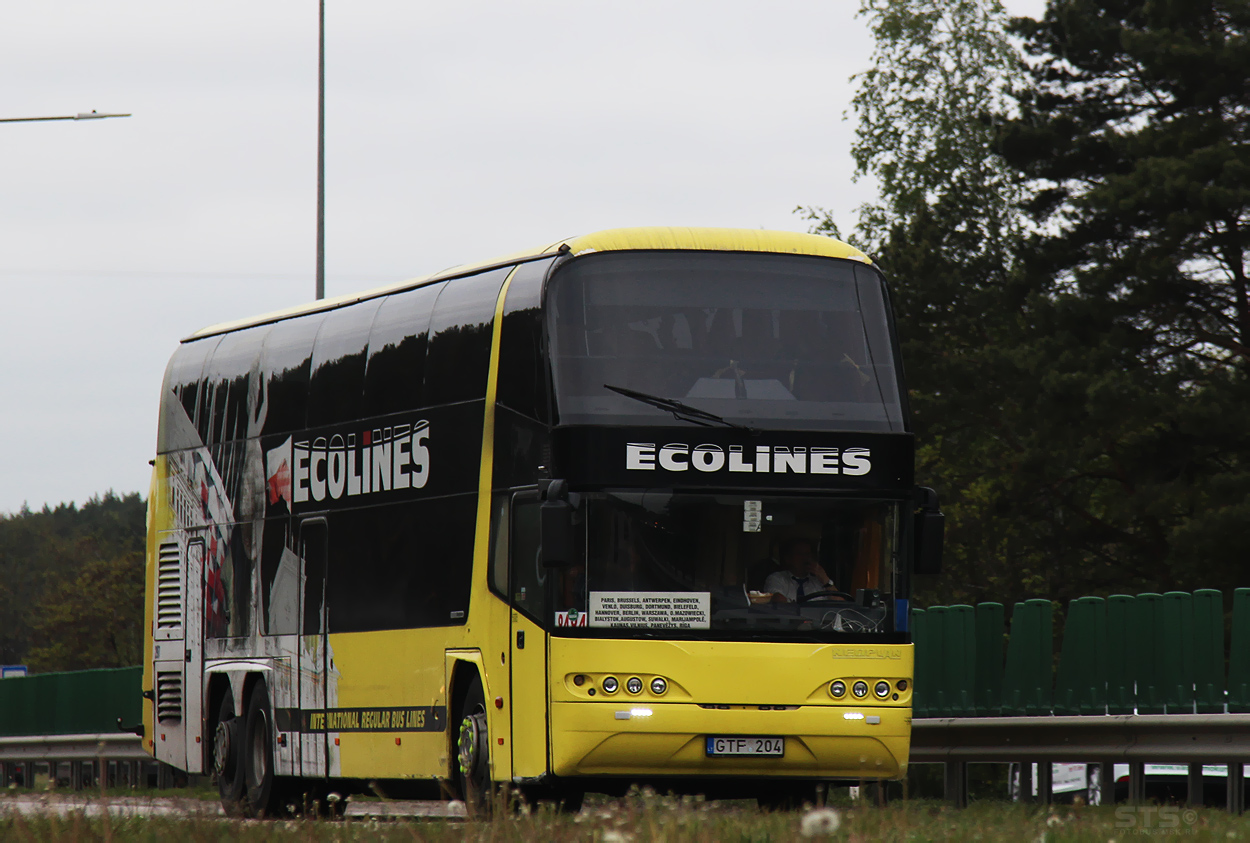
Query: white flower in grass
(819,822)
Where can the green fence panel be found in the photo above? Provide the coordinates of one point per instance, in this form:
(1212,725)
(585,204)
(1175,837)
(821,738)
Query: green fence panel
(1081,686)
(1207,655)
(1175,666)
(936,619)
(1027,679)
(924,672)
(958,661)
(988,668)
(1239,653)
(73,703)
(1121,695)
(1146,650)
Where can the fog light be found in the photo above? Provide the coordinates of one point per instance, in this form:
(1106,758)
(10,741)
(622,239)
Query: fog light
(882,689)
(837,688)
(610,685)
(658,686)
(633,685)
(901,684)
(860,689)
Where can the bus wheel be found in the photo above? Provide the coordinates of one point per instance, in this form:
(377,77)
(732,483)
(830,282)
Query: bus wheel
(263,798)
(473,751)
(226,765)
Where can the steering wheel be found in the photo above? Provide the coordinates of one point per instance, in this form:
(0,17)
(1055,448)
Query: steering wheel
(824,595)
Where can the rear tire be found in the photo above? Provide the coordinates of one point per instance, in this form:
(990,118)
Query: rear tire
(263,795)
(227,766)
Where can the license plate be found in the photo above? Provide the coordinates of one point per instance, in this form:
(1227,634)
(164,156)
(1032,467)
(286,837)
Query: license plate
(745,745)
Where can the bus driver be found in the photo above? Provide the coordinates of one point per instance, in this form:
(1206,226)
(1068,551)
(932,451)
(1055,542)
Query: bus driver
(801,573)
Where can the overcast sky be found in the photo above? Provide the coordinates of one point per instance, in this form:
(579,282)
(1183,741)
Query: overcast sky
(455,132)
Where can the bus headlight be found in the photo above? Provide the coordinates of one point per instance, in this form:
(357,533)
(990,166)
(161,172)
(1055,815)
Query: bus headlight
(837,687)
(658,686)
(610,685)
(860,688)
(882,689)
(633,685)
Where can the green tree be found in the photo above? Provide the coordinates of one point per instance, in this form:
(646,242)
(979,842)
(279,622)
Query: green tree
(49,546)
(1133,134)
(94,619)
(1045,398)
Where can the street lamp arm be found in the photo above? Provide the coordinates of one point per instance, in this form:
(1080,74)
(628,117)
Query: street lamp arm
(94,115)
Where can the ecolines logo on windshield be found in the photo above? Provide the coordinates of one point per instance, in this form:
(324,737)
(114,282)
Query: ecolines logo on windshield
(645,456)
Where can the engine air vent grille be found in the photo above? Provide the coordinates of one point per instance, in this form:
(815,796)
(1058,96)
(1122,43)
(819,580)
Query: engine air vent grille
(169,696)
(169,587)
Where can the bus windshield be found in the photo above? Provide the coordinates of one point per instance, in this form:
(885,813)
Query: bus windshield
(658,560)
(765,340)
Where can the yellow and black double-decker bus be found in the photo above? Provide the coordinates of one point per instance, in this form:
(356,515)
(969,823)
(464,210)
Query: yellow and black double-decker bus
(635,507)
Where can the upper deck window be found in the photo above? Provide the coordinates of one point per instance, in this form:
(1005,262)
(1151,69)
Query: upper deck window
(773,341)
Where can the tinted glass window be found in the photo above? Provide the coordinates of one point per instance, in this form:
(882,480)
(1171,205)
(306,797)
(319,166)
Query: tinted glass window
(338,364)
(284,365)
(401,566)
(807,564)
(780,341)
(397,341)
(460,333)
(522,366)
(229,378)
(183,382)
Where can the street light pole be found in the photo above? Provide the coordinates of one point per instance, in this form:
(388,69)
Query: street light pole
(94,115)
(321,152)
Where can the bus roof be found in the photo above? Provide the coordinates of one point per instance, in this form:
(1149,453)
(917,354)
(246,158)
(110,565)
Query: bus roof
(650,238)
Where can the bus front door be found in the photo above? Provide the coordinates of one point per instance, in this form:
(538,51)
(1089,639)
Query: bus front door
(528,583)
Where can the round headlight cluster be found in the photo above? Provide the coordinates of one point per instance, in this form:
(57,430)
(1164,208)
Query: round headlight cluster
(860,688)
(882,689)
(633,685)
(837,687)
(610,685)
(658,686)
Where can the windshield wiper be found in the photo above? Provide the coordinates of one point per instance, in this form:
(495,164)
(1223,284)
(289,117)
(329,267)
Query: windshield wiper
(680,410)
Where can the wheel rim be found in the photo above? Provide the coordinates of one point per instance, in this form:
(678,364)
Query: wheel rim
(222,748)
(472,732)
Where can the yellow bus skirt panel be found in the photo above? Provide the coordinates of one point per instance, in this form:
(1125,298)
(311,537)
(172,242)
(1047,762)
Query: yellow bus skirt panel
(594,739)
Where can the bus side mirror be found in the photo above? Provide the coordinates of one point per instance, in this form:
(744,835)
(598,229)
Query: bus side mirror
(556,526)
(930,532)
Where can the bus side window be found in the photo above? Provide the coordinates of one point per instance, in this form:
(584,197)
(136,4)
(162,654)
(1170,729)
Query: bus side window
(522,366)
(529,578)
(500,523)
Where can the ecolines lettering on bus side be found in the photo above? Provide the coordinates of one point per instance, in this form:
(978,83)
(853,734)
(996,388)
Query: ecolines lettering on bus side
(388,458)
(775,459)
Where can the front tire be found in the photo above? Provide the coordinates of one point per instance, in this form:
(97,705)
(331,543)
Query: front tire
(473,751)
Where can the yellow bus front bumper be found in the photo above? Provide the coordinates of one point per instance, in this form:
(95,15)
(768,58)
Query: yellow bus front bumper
(620,739)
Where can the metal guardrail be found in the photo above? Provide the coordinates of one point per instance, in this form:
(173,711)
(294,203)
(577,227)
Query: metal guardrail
(1190,739)
(1162,738)
(115,746)
(117,755)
